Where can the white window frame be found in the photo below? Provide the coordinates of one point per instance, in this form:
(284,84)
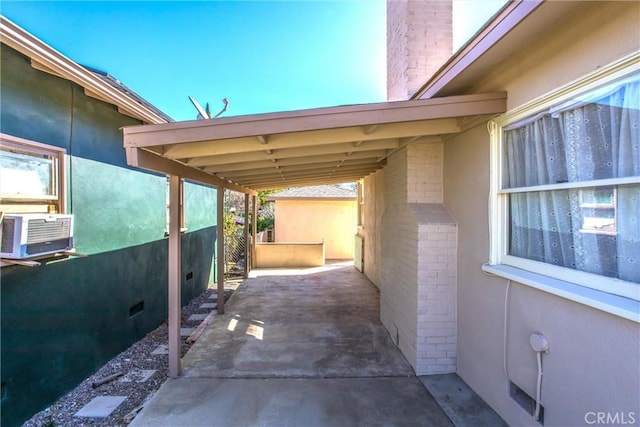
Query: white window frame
(55,202)
(555,279)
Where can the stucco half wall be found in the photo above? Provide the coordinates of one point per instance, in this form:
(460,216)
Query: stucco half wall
(289,255)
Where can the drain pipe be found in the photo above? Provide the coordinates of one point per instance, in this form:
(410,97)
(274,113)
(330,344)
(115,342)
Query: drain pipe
(539,344)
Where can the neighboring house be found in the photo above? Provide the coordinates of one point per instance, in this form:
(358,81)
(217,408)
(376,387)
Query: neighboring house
(500,200)
(321,213)
(63,320)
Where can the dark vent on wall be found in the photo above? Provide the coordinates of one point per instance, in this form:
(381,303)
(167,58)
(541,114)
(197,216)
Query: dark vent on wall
(136,308)
(525,401)
(189,275)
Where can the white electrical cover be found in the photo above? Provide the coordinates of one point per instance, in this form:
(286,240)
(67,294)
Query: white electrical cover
(539,342)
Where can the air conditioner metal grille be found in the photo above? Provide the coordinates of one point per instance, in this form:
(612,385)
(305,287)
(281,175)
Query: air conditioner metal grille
(41,230)
(8,232)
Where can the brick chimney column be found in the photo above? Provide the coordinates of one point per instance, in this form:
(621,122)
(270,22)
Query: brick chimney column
(419,42)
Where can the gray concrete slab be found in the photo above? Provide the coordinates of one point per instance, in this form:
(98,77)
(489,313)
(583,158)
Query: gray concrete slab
(161,349)
(296,348)
(137,375)
(292,402)
(185,332)
(100,406)
(316,325)
(195,317)
(461,404)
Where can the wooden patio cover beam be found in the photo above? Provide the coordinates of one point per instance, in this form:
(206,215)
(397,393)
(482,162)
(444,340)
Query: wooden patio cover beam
(150,161)
(287,153)
(225,152)
(315,119)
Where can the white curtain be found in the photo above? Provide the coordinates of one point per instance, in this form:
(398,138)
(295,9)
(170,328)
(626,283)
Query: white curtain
(581,141)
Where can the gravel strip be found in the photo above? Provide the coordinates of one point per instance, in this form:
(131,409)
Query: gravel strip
(131,363)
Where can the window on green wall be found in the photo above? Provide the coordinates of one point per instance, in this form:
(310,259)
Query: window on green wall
(31,175)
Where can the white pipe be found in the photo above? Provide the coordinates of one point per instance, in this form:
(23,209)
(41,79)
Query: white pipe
(505,331)
(539,385)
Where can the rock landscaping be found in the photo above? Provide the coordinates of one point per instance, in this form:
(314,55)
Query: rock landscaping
(117,392)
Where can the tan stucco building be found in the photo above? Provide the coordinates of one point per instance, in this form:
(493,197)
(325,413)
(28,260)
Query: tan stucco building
(322,213)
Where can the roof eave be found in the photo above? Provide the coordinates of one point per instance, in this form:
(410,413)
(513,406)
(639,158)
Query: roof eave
(51,60)
(505,20)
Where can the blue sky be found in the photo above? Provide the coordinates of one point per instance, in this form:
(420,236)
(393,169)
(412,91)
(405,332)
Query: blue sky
(263,56)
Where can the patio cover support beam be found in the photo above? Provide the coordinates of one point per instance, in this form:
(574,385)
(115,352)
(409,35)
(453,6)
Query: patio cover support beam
(254,231)
(146,160)
(175,256)
(292,140)
(220,249)
(242,174)
(246,236)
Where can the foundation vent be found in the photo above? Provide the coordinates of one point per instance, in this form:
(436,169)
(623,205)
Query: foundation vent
(525,401)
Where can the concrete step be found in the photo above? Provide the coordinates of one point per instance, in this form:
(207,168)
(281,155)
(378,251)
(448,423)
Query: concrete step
(100,406)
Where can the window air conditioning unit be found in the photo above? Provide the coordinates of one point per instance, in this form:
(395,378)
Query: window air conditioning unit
(30,235)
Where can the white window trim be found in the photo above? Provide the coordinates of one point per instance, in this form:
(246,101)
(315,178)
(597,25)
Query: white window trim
(560,281)
(59,198)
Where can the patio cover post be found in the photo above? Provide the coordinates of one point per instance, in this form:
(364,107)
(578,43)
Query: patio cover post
(246,235)
(175,256)
(254,231)
(220,249)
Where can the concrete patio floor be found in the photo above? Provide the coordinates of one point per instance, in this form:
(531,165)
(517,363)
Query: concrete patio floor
(296,348)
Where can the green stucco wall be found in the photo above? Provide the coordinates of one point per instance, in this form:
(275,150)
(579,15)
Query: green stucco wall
(114,207)
(62,321)
(199,206)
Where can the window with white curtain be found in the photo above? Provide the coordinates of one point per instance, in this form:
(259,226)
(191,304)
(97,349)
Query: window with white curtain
(569,189)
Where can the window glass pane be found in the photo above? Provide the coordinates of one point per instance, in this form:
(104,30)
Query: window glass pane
(596,136)
(27,175)
(595,230)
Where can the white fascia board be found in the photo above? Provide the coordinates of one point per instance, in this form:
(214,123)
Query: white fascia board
(17,38)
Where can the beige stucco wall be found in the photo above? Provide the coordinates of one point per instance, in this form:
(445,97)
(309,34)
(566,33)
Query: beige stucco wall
(333,221)
(288,255)
(372,227)
(594,358)
(596,34)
